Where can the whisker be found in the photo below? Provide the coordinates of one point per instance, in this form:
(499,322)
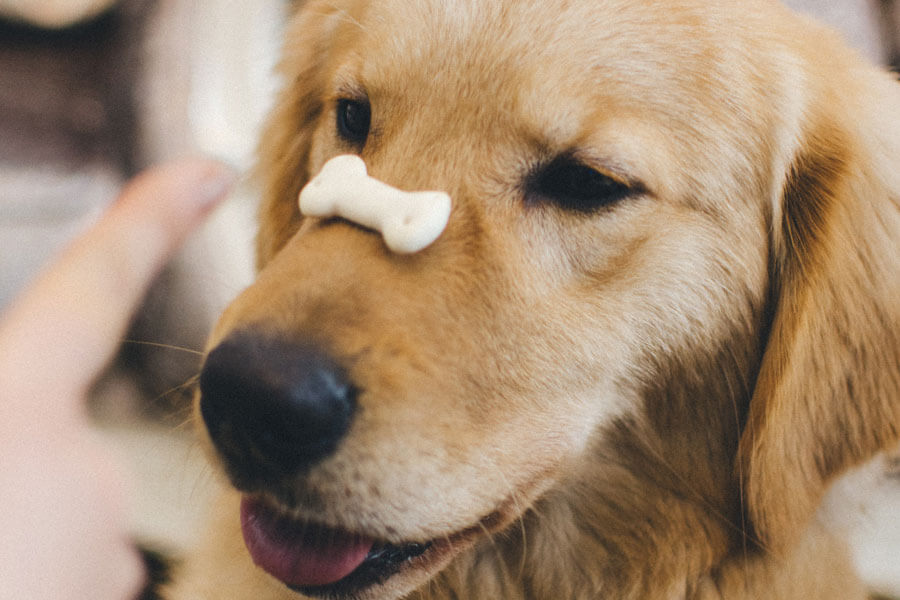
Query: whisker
(164,346)
(707,504)
(745,392)
(185,424)
(190,382)
(520,519)
(175,403)
(498,551)
(345,17)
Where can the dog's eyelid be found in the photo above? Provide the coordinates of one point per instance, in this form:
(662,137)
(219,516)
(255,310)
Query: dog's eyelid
(572,182)
(349,89)
(334,99)
(607,167)
(591,158)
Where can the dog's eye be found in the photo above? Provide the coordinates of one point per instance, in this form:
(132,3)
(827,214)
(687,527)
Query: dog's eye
(354,118)
(574,186)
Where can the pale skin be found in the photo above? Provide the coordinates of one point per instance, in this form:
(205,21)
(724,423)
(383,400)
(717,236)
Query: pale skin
(53,13)
(63,530)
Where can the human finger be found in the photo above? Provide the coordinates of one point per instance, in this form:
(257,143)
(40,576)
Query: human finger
(62,331)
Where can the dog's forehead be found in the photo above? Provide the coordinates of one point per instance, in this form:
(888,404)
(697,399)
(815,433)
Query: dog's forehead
(655,55)
(581,41)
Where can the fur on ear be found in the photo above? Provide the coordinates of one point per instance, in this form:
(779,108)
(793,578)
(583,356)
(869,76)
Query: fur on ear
(285,144)
(827,395)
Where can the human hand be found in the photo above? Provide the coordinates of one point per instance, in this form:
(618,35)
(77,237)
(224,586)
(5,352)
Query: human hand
(63,497)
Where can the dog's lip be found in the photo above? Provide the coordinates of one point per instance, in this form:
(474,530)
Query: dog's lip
(326,562)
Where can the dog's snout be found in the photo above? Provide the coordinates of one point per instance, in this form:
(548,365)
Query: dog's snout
(274,408)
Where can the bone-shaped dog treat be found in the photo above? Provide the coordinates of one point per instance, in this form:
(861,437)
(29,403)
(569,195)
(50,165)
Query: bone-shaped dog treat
(408,221)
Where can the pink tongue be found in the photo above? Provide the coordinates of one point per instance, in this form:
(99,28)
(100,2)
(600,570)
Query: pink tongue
(297,554)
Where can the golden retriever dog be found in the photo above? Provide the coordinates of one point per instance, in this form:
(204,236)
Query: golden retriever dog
(664,313)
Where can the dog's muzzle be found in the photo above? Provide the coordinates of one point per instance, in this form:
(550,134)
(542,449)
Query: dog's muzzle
(274,409)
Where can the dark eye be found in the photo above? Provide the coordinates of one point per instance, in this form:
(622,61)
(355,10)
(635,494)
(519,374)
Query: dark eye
(574,186)
(354,117)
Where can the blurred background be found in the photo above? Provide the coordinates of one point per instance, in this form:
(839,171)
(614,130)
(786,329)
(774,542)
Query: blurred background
(93,91)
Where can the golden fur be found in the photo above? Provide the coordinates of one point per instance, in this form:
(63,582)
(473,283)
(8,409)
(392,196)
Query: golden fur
(644,402)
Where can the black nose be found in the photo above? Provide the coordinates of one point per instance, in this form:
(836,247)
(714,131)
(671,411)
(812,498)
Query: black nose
(273,408)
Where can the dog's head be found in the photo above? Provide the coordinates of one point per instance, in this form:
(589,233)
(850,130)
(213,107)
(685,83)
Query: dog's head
(642,192)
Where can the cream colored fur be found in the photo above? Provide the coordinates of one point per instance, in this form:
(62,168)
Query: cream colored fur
(645,402)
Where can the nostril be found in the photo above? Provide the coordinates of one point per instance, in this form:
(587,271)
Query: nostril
(273,407)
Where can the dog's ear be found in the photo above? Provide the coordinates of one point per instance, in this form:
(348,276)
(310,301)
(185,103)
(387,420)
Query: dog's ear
(284,146)
(827,394)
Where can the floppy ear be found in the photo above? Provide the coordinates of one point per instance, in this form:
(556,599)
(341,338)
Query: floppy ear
(828,392)
(285,144)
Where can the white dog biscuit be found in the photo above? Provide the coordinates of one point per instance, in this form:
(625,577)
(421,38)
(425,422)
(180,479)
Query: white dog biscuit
(408,221)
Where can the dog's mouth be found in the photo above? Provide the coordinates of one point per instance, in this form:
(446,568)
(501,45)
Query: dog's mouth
(331,563)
